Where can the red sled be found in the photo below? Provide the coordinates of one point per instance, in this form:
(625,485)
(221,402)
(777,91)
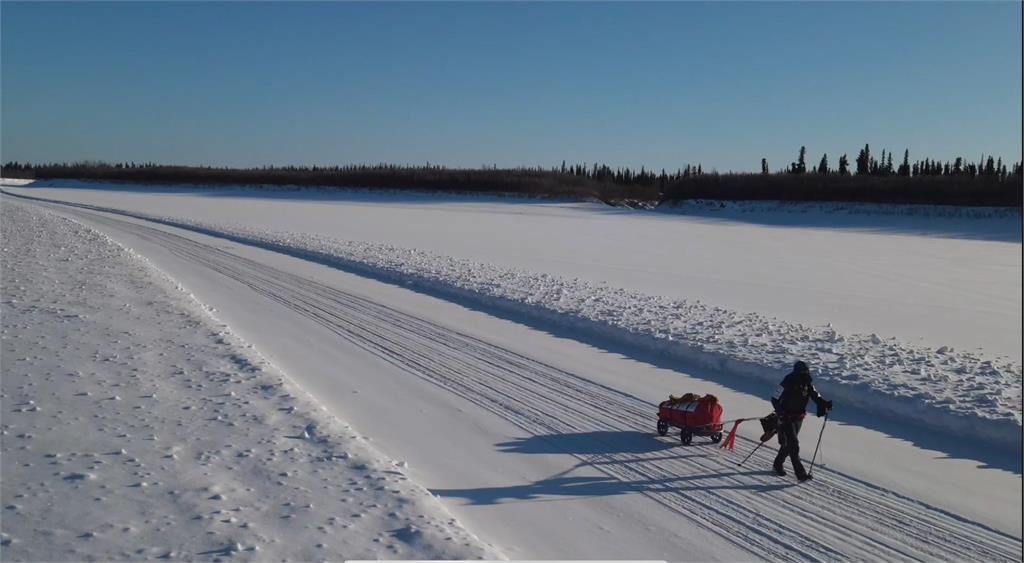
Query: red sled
(693,415)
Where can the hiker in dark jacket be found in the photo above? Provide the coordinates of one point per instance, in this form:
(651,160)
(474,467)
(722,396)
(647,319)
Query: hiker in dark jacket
(790,402)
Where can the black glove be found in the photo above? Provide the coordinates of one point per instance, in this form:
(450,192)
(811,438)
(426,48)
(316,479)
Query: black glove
(824,407)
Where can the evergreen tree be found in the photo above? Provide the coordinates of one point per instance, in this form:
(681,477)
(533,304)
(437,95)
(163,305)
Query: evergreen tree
(864,161)
(823,165)
(844,165)
(764,166)
(905,167)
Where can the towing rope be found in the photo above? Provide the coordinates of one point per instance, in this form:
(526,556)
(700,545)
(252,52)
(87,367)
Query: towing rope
(730,440)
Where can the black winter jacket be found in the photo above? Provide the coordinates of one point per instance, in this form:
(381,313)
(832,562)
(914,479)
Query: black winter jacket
(790,400)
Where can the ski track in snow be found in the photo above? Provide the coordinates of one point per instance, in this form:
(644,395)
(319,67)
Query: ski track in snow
(135,426)
(957,392)
(834,517)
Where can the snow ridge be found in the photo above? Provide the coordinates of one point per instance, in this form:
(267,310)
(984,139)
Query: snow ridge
(958,392)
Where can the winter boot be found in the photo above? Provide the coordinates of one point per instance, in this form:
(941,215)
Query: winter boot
(779,470)
(804,477)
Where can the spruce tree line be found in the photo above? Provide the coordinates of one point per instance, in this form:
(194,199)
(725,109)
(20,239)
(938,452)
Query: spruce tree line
(867,165)
(989,181)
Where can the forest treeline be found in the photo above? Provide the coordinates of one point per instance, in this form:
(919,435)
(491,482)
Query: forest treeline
(881,179)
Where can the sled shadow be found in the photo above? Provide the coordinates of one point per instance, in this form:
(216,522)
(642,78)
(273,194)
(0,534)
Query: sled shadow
(588,443)
(610,452)
(564,488)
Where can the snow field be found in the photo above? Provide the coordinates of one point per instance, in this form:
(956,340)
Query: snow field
(928,277)
(534,438)
(683,500)
(136,426)
(958,392)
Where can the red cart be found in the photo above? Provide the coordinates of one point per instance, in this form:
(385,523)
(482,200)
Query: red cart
(693,415)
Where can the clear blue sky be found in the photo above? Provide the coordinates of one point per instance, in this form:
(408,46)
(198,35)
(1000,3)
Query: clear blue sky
(467,84)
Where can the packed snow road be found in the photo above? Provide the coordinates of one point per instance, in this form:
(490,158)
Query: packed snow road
(716,508)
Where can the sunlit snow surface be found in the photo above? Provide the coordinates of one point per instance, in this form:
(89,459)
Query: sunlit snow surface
(136,426)
(525,403)
(963,391)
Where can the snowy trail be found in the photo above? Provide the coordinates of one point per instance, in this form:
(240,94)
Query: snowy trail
(852,519)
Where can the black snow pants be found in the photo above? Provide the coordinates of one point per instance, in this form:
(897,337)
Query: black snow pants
(789,445)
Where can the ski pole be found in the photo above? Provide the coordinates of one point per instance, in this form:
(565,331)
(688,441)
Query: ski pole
(820,434)
(750,454)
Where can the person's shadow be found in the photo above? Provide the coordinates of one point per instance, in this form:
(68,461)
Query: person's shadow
(596,449)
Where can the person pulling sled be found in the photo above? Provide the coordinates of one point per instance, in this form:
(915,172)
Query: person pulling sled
(790,404)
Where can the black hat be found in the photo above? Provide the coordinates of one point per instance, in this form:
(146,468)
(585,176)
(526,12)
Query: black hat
(801,367)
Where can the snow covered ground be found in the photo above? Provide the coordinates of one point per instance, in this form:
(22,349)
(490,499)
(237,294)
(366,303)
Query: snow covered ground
(136,426)
(505,428)
(935,279)
(967,393)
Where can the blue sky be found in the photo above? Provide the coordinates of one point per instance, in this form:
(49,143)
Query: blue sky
(468,84)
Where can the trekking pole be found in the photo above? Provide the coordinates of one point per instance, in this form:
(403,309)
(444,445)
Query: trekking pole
(750,454)
(820,434)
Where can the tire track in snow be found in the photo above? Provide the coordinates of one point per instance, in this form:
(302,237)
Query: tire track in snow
(846,518)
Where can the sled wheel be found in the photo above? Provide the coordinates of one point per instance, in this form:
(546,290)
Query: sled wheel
(686,437)
(716,437)
(662,427)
